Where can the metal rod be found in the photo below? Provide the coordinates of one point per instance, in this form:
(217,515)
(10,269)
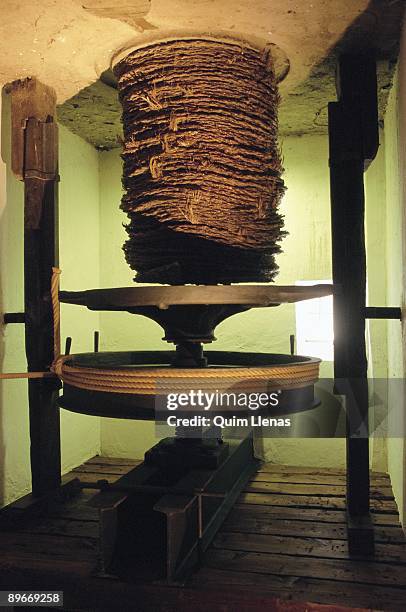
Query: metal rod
(104,485)
(292,343)
(68,345)
(200,513)
(96,341)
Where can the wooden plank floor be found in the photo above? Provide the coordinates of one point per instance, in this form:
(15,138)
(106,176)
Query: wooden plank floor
(283,542)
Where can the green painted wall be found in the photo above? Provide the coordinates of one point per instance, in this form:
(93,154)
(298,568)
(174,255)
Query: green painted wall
(395,138)
(79,222)
(79,259)
(376,331)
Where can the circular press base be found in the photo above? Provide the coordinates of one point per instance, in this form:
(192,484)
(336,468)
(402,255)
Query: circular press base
(135,384)
(165,296)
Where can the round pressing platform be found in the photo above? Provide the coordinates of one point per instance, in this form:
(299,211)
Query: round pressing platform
(164,296)
(191,312)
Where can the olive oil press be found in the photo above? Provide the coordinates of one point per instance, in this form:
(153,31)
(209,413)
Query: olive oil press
(202,178)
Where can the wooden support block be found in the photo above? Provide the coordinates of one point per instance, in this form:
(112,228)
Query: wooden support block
(29,98)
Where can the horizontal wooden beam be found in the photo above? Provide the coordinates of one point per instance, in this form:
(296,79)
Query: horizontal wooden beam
(13,317)
(383,312)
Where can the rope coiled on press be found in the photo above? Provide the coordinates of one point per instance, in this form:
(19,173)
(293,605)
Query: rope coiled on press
(151,380)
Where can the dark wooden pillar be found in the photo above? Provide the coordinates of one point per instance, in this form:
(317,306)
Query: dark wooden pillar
(354,140)
(35,160)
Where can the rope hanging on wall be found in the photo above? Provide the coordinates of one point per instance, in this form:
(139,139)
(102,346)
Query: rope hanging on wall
(202,168)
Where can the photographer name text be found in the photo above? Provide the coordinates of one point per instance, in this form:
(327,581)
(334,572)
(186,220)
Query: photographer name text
(222,422)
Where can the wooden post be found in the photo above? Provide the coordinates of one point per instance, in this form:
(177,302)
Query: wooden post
(354,140)
(34,126)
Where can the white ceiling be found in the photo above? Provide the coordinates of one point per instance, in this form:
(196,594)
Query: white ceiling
(68,43)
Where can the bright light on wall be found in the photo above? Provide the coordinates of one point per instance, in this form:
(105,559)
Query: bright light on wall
(314,325)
